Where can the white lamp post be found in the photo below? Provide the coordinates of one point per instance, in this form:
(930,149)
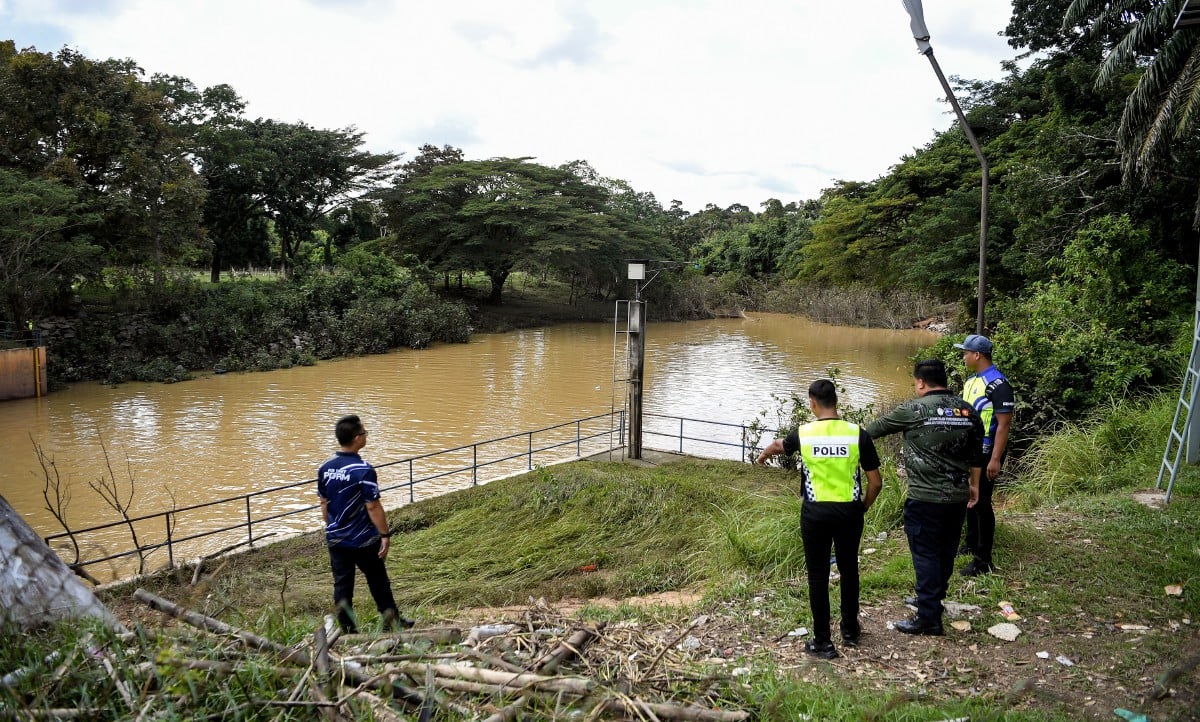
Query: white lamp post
(921,34)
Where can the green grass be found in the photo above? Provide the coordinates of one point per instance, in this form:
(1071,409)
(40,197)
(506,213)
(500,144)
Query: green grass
(1120,446)
(1077,557)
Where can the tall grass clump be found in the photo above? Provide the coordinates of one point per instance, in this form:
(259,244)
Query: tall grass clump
(1118,446)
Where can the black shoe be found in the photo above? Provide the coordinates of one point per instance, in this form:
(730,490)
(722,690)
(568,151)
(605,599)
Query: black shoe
(910,601)
(824,650)
(850,636)
(393,621)
(914,625)
(977,568)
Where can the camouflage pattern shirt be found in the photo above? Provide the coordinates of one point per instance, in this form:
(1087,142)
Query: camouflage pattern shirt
(943,441)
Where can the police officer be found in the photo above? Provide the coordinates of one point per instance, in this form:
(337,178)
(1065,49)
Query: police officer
(833,455)
(990,393)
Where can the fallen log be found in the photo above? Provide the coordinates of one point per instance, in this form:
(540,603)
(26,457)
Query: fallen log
(288,654)
(493,661)
(509,713)
(570,685)
(567,649)
(671,711)
(321,647)
(433,635)
(379,707)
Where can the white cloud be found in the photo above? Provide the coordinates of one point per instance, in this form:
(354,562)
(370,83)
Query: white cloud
(719,101)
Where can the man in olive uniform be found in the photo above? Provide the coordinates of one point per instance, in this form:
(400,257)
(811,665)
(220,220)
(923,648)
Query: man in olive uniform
(989,392)
(832,453)
(943,458)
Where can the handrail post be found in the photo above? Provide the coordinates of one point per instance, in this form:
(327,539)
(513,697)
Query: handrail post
(170,548)
(249,523)
(530,451)
(681,434)
(410,481)
(474,464)
(578,440)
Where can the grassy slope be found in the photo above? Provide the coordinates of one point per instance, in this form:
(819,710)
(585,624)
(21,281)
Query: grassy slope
(1074,570)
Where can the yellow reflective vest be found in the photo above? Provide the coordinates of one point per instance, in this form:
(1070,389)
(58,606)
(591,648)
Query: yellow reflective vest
(829,450)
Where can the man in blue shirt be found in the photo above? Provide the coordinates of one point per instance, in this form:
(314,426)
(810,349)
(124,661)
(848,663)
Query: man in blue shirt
(989,392)
(356,527)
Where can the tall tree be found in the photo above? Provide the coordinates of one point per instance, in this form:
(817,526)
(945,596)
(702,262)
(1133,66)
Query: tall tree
(97,126)
(492,215)
(310,172)
(41,249)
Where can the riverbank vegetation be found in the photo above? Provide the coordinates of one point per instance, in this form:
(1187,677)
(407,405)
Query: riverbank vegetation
(711,548)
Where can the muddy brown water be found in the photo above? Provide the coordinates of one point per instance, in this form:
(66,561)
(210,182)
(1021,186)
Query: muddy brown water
(220,436)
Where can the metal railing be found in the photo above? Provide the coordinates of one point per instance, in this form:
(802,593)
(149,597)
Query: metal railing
(717,438)
(265,513)
(16,336)
(504,455)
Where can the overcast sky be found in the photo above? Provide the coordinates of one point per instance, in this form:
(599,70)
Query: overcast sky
(718,101)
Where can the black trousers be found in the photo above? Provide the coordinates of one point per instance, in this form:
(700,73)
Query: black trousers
(344,560)
(837,526)
(981,522)
(932,530)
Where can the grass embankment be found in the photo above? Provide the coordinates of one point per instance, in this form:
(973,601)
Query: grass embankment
(1084,565)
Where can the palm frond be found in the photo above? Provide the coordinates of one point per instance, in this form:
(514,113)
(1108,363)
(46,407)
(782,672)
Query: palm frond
(1093,14)
(1188,105)
(1149,118)
(1143,38)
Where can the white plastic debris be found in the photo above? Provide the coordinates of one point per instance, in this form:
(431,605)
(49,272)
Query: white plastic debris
(487,631)
(798,632)
(1005,630)
(955,609)
(740,671)
(1043,655)
(1064,661)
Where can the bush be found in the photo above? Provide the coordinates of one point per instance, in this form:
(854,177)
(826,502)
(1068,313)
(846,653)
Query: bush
(366,305)
(1109,321)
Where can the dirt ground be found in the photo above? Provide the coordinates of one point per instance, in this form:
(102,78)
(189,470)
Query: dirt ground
(966,663)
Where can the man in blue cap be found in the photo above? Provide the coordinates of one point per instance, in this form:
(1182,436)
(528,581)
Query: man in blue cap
(989,392)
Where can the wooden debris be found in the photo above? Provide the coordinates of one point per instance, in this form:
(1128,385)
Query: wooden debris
(541,666)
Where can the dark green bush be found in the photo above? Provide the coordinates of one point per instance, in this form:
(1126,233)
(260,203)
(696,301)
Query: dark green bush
(366,305)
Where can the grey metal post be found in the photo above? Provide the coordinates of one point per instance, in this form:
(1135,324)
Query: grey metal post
(921,35)
(1192,447)
(637,358)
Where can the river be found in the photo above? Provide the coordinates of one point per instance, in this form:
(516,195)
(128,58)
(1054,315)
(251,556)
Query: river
(223,435)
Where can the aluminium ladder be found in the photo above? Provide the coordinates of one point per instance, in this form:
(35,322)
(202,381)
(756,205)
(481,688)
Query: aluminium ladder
(1185,434)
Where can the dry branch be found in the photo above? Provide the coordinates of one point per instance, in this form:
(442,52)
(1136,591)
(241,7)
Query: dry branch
(568,649)
(433,635)
(671,711)
(509,713)
(201,621)
(570,685)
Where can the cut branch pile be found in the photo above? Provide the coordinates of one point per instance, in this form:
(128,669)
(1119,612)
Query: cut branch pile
(542,666)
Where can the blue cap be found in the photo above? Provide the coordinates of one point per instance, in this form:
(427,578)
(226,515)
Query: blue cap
(975,342)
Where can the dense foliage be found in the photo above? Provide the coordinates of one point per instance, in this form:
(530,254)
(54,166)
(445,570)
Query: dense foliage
(365,305)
